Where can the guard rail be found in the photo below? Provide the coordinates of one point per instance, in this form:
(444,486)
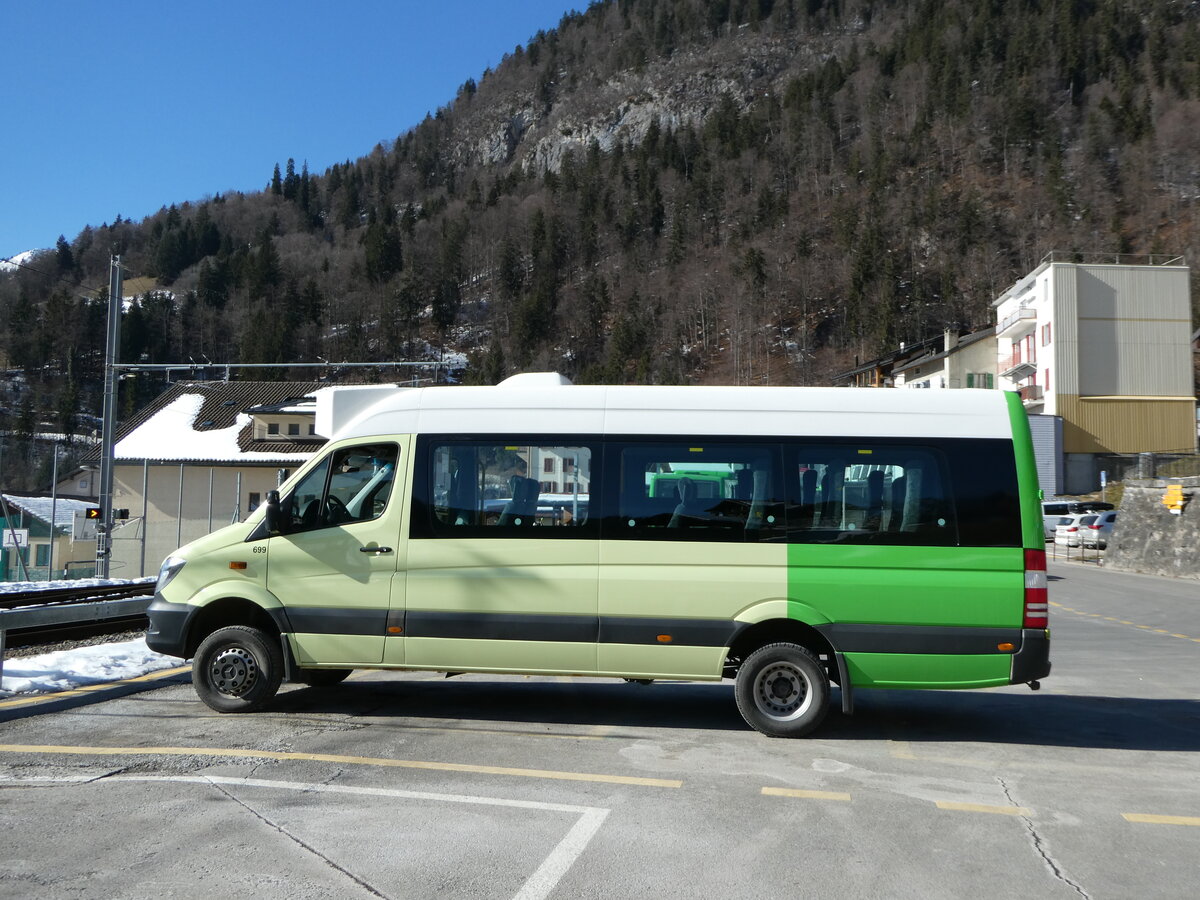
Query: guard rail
(64,606)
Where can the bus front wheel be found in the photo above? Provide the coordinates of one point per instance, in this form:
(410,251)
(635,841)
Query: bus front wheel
(237,669)
(782,690)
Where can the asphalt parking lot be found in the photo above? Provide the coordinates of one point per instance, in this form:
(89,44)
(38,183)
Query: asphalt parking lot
(413,785)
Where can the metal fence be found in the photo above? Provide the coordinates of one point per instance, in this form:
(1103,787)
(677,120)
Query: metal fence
(1121,467)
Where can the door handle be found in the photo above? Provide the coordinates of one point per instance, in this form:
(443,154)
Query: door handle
(374,549)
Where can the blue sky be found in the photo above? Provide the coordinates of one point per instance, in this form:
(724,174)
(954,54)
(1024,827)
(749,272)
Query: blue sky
(122,108)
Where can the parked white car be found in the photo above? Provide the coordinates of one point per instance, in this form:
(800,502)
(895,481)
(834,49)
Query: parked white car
(1066,532)
(1097,533)
(1053,510)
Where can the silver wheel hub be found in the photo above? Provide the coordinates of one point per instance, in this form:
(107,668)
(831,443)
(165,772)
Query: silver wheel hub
(782,691)
(233,671)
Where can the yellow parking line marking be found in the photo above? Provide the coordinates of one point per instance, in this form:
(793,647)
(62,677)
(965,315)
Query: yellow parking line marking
(983,808)
(1148,819)
(807,795)
(337,758)
(1088,615)
(409,726)
(901,750)
(35,699)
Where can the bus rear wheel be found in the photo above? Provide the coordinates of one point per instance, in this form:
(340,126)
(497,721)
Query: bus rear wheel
(782,690)
(237,669)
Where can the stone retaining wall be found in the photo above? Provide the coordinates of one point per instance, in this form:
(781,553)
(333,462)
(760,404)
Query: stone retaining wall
(1149,538)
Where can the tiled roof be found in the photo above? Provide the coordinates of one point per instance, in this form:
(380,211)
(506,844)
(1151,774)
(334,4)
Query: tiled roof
(40,507)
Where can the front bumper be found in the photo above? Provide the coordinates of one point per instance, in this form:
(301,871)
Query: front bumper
(167,633)
(1032,661)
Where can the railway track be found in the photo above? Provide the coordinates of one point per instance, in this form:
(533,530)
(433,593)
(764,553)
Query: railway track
(17,638)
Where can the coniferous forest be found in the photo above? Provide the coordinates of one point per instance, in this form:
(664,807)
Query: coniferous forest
(662,191)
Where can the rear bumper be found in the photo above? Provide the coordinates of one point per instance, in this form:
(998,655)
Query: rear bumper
(1032,661)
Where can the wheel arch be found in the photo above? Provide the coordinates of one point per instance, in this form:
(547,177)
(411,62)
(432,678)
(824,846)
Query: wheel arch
(774,631)
(232,610)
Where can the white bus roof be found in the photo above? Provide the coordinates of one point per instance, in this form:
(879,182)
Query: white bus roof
(546,403)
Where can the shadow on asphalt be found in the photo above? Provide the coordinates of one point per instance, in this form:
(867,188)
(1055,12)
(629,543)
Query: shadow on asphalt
(1037,719)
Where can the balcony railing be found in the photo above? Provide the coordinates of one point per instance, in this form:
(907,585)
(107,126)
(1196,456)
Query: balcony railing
(1016,368)
(1024,318)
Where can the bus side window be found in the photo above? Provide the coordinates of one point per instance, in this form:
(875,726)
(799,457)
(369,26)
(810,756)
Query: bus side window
(868,493)
(491,489)
(717,492)
(351,485)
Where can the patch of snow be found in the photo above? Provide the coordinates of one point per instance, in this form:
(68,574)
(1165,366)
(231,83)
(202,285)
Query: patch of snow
(19,260)
(62,670)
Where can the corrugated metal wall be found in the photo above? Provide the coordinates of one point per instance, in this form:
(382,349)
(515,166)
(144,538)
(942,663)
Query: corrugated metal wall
(1047,434)
(1134,333)
(1126,425)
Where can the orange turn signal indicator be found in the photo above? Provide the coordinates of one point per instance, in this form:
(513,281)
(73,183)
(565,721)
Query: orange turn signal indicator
(395,629)
(1006,647)
(238,565)
(664,639)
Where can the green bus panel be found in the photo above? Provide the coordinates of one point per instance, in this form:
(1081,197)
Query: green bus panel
(940,586)
(921,670)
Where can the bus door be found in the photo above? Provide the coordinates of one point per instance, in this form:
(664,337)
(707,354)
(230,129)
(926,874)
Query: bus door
(502,561)
(334,564)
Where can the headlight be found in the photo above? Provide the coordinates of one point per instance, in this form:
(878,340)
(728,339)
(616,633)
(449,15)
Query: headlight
(170,568)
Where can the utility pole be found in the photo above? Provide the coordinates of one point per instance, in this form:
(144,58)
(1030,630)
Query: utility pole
(112,349)
(53,513)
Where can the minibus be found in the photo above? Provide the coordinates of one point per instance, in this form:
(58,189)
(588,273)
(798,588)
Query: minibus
(861,538)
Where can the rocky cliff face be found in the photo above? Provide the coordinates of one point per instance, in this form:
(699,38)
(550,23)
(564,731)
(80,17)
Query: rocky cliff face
(1149,538)
(675,92)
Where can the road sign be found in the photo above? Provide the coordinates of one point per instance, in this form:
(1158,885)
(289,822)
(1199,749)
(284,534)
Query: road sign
(16,537)
(1174,499)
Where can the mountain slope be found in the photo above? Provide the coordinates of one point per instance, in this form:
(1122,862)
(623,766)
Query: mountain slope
(748,191)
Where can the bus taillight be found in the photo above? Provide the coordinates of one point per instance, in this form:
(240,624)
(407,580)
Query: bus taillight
(1036,595)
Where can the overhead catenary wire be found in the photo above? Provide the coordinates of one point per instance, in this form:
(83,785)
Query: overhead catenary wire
(11,260)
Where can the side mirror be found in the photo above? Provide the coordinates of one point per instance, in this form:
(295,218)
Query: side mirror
(273,517)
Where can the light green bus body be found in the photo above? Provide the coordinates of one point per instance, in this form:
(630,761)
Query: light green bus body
(368,594)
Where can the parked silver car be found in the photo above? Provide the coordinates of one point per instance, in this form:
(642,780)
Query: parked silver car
(1097,533)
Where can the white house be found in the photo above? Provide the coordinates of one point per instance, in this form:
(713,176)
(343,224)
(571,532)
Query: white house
(202,455)
(967,361)
(1105,346)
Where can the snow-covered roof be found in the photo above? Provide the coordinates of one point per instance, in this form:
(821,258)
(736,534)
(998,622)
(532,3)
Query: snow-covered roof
(171,434)
(39,507)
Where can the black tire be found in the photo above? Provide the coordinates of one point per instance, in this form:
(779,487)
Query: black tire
(237,669)
(782,690)
(322,677)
